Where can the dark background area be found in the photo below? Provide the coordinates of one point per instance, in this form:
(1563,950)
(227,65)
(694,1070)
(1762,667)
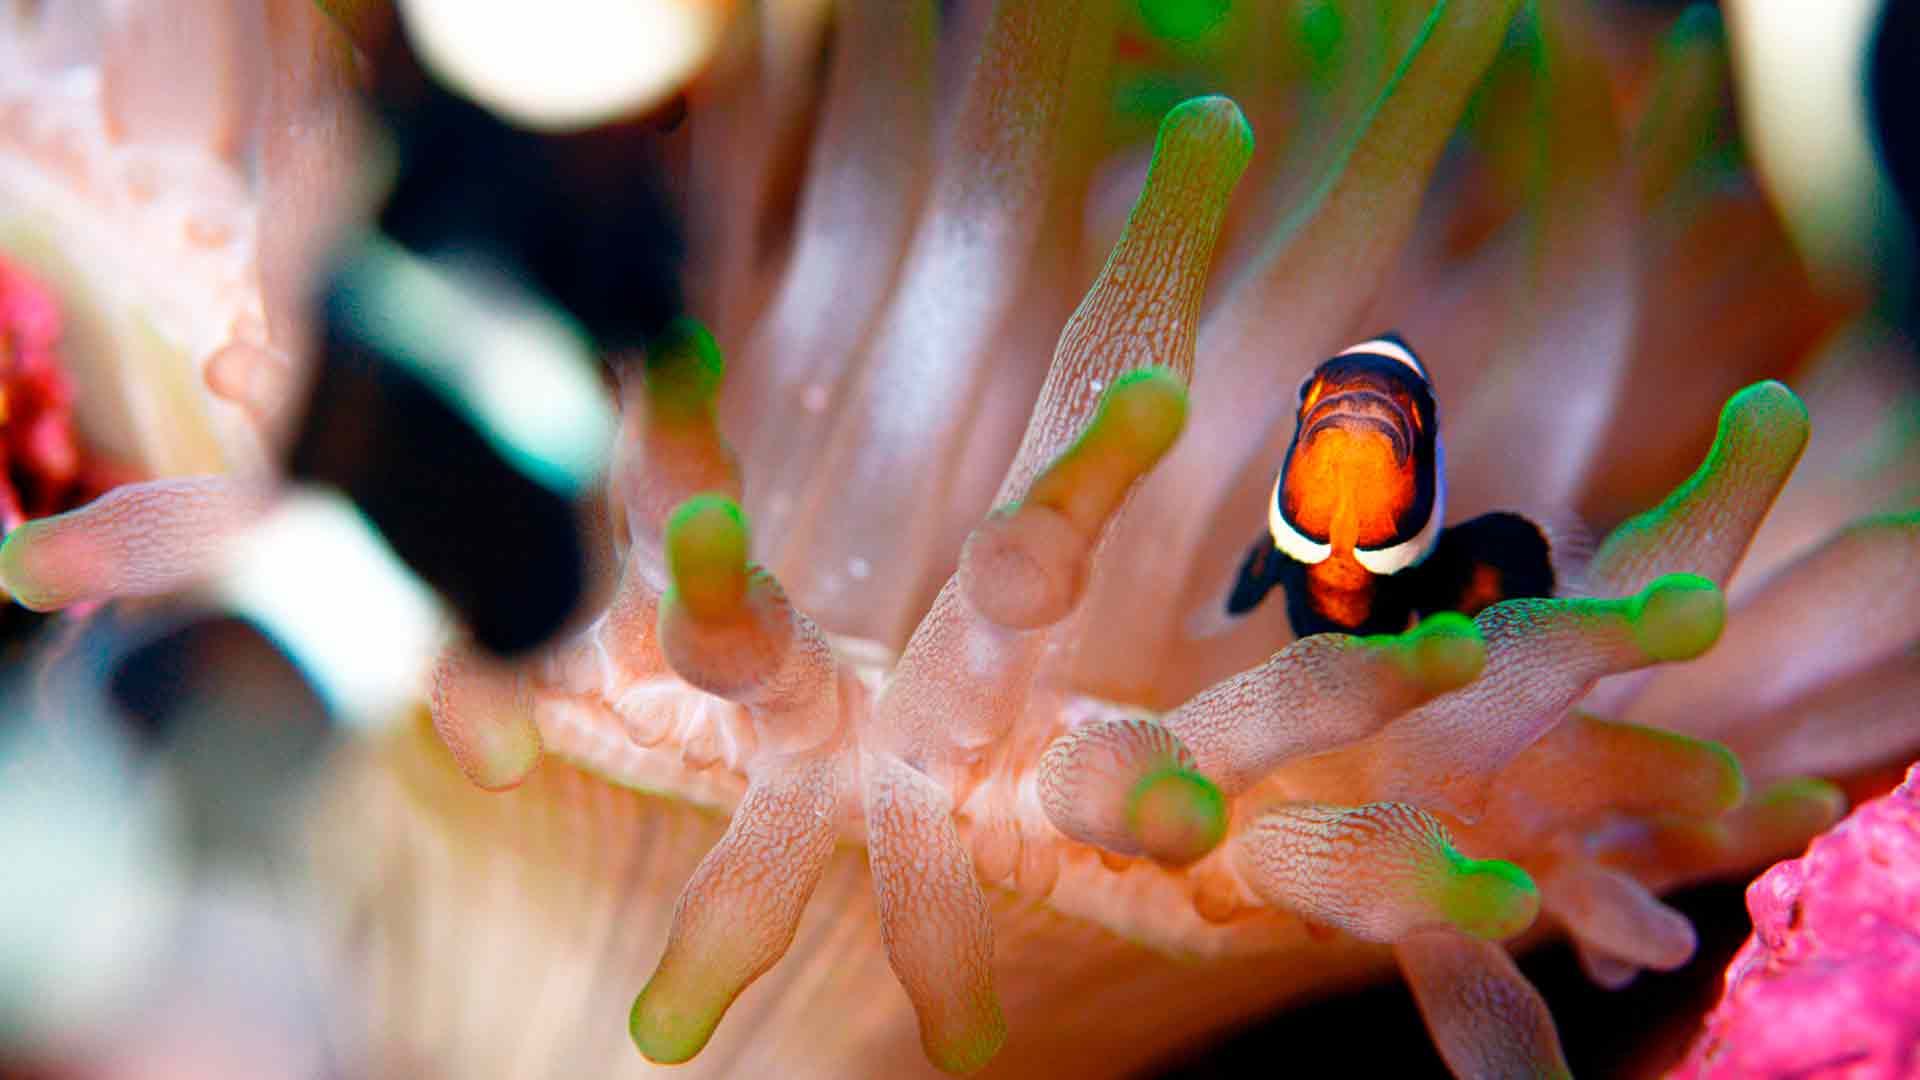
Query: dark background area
(1639,1031)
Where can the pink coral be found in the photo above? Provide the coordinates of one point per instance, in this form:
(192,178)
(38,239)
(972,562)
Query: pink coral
(1829,983)
(39,458)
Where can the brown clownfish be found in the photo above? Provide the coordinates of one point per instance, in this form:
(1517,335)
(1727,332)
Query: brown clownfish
(1354,524)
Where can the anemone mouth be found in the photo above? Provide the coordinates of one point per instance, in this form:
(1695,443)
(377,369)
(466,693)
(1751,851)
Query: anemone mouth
(660,735)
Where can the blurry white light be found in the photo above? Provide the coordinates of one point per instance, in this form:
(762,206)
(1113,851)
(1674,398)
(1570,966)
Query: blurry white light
(560,65)
(92,883)
(317,577)
(1800,75)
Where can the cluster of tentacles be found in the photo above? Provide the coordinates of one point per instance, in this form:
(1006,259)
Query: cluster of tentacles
(1348,782)
(1435,792)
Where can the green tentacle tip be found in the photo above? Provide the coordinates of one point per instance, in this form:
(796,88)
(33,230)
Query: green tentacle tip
(1184,21)
(1678,616)
(1705,766)
(1732,789)
(12,574)
(1786,815)
(1320,28)
(1146,408)
(1488,898)
(709,527)
(1444,652)
(1811,793)
(1200,113)
(1176,815)
(707,543)
(1770,399)
(684,367)
(968,1050)
(31,575)
(1155,374)
(667,1032)
(1767,411)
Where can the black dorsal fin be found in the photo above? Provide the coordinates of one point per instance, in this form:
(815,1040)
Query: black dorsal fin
(1494,557)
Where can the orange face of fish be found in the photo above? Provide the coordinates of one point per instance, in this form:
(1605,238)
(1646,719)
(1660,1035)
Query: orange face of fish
(1361,482)
(1351,479)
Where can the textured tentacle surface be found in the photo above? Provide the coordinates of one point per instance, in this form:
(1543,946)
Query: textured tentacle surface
(1320,693)
(1586,768)
(1704,527)
(932,915)
(964,678)
(1139,312)
(728,629)
(1026,565)
(1612,915)
(137,540)
(1776,822)
(738,913)
(1130,787)
(1144,307)
(483,711)
(1485,1017)
(1542,656)
(1855,595)
(1382,872)
(670,447)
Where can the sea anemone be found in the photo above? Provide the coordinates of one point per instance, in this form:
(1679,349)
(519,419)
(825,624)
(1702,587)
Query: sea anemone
(910,668)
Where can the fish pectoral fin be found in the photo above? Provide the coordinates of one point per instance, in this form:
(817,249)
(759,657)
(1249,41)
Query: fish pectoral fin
(1261,571)
(1480,562)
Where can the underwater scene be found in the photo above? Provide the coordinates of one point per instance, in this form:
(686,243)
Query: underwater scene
(1019,538)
